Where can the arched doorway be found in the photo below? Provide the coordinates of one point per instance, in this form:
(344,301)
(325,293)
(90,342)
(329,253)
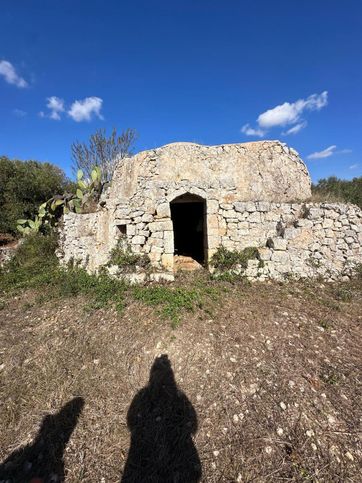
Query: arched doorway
(188,214)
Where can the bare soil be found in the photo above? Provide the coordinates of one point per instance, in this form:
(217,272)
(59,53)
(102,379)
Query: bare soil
(265,386)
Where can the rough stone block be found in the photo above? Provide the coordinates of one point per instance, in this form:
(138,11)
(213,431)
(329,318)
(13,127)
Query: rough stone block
(147,218)
(327,223)
(265,253)
(164,225)
(131,230)
(280,256)
(254,217)
(138,240)
(163,210)
(167,261)
(277,243)
(212,206)
(263,206)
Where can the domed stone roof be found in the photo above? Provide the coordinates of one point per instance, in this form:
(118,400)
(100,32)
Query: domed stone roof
(264,170)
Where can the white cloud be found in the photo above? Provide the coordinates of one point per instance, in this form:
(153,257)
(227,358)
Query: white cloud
(7,70)
(84,110)
(290,113)
(249,131)
(287,114)
(326,153)
(56,107)
(345,151)
(295,129)
(19,113)
(354,166)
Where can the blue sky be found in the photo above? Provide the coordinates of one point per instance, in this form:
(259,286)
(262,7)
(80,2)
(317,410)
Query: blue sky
(208,71)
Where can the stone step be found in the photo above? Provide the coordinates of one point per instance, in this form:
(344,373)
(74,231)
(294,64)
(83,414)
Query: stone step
(188,264)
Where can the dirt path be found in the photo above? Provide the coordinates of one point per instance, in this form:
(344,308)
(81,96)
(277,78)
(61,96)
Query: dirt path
(269,388)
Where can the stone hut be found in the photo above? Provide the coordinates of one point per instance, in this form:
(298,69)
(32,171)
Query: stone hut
(185,200)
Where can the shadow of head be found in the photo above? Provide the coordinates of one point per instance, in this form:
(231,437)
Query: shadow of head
(57,428)
(161,374)
(44,457)
(161,420)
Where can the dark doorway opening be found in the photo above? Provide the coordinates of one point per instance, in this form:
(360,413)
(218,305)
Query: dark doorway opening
(189,227)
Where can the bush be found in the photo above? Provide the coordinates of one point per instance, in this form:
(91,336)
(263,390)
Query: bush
(24,185)
(35,265)
(224,259)
(127,261)
(334,189)
(34,259)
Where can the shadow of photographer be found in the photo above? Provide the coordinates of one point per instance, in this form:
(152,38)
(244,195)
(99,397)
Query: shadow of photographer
(43,461)
(162,420)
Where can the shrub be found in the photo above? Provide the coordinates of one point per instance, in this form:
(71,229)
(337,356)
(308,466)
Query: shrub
(333,189)
(127,261)
(34,258)
(24,185)
(224,259)
(35,265)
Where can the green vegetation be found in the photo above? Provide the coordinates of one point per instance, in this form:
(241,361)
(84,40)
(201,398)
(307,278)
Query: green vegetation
(174,301)
(325,324)
(123,257)
(35,266)
(224,259)
(343,294)
(335,189)
(24,185)
(86,196)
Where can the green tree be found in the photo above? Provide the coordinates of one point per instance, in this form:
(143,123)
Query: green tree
(349,191)
(102,151)
(24,185)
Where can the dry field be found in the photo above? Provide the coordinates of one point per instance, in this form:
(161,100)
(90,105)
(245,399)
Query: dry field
(261,384)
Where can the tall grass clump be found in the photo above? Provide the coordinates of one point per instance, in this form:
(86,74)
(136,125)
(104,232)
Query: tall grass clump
(35,265)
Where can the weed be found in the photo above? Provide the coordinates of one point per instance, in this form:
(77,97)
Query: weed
(127,261)
(358,272)
(230,277)
(174,301)
(34,259)
(331,304)
(325,324)
(344,294)
(224,259)
(331,378)
(36,266)
(27,306)
(313,262)
(2,304)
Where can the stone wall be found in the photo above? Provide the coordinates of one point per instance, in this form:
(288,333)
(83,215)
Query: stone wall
(293,237)
(299,239)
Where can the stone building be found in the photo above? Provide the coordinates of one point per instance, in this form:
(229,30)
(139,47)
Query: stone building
(185,200)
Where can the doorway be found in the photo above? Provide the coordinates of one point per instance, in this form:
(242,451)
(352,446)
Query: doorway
(188,214)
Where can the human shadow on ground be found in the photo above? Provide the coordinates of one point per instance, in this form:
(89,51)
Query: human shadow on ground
(42,460)
(161,420)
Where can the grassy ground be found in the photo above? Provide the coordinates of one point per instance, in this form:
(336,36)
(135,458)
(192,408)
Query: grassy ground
(261,382)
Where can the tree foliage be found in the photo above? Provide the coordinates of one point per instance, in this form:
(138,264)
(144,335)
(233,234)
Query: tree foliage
(339,189)
(85,198)
(102,151)
(24,185)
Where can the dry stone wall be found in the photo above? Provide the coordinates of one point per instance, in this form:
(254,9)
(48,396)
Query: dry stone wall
(294,239)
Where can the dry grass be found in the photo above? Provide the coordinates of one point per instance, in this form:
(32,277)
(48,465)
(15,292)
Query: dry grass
(326,197)
(272,372)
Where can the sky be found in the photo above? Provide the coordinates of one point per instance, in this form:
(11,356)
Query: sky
(206,71)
